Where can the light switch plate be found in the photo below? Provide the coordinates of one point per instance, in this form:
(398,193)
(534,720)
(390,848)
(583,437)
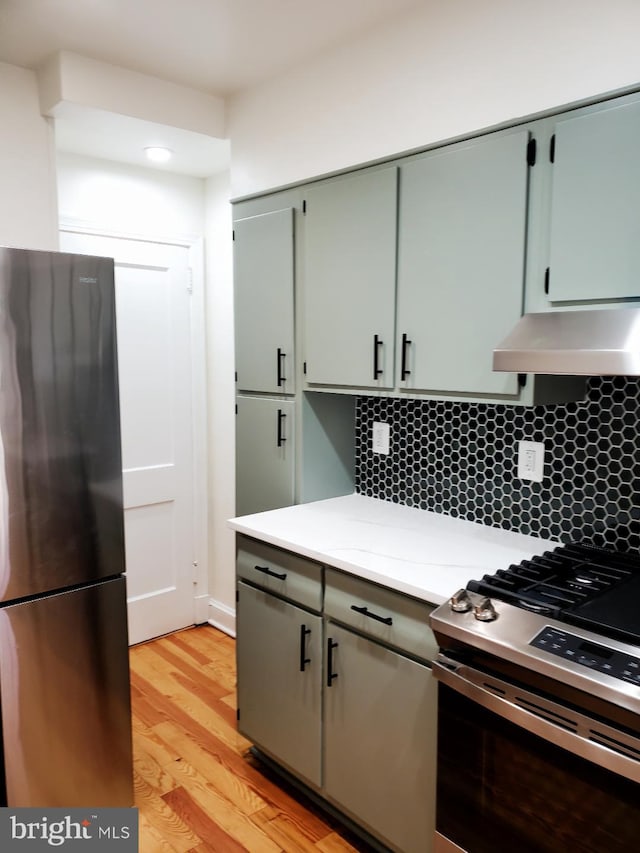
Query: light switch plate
(531,460)
(380,437)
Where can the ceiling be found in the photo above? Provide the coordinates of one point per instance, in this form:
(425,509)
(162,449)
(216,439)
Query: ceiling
(216,46)
(111,136)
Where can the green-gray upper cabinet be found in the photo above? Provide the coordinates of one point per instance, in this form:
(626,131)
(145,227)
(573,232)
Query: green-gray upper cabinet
(461,256)
(265,454)
(264,300)
(349,280)
(595,225)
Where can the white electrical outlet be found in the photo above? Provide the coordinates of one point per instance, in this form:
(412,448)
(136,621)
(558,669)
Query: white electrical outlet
(380,438)
(531,460)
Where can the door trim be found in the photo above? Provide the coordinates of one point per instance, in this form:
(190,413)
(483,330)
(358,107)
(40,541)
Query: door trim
(195,246)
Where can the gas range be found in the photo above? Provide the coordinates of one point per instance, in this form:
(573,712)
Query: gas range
(539,701)
(571,615)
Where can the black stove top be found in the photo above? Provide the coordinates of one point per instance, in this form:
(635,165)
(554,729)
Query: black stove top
(578,584)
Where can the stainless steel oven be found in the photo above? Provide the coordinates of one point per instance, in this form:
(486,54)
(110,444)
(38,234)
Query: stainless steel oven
(539,708)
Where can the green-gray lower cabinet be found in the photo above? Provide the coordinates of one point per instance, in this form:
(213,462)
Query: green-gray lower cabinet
(279,654)
(265,453)
(379,740)
(332,688)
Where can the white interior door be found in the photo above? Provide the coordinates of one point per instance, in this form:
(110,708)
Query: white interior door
(156,411)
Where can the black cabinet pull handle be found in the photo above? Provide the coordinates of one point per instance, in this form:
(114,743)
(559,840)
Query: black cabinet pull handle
(267,571)
(365,612)
(280,367)
(406,343)
(330,673)
(377,343)
(303,660)
(281,435)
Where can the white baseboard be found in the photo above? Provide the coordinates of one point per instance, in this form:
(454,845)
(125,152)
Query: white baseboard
(222,616)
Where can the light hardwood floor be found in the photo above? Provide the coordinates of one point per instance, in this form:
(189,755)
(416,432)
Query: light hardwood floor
(196,786)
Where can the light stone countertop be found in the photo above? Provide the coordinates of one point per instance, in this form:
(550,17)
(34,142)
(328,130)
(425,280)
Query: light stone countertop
(424,554)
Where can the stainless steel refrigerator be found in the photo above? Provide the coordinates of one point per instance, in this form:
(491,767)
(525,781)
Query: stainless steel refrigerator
(64,671)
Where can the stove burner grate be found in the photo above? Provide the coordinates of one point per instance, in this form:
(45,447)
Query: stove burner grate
(561,580)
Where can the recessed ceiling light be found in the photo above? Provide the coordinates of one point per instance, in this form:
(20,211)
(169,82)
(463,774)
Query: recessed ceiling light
(157,154)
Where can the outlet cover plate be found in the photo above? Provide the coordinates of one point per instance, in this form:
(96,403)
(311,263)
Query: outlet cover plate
(380,437)
(531,460)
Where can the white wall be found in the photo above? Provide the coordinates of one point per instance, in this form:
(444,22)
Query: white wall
(28,216)
(221,414)
(449,68)
(68,80)
(129,199)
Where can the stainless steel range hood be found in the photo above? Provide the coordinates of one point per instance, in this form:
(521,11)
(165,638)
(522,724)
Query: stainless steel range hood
(591,343)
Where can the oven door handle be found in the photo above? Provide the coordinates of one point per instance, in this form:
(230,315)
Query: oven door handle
(577,733)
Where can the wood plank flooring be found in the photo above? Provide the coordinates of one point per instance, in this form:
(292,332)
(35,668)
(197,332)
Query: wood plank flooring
(196,786)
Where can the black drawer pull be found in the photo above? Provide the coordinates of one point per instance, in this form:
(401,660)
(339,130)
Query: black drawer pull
(331,645)
(280,368)
(303,660)
(404,371)
(377,371)
(267,571)
(281,437)
(386,619)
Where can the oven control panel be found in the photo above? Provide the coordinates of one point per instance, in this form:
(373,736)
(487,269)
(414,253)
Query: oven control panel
(577,649)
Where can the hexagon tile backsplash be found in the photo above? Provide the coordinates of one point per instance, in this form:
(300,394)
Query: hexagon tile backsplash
(461,459)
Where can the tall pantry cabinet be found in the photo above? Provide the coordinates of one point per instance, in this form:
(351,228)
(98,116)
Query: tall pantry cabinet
(265,365)
(292,446)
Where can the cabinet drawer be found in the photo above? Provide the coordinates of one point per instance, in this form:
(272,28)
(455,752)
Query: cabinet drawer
(279,571)
(406,620)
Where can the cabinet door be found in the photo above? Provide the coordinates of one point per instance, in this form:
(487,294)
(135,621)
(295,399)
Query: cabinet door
(265,454)
(263,281)
(461,255)
(595,237)
(349,287)
(380,740)
(279,651)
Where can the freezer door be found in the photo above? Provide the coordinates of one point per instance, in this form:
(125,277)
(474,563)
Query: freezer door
(61,518)
(65,699)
